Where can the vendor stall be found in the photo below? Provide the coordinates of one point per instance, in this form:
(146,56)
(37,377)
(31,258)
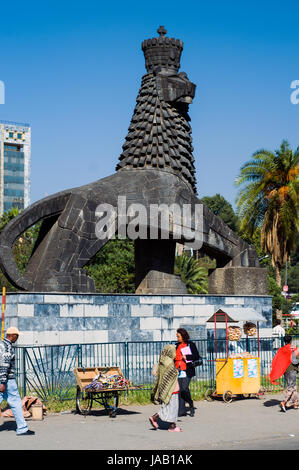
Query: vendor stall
(237,373)
(102,385)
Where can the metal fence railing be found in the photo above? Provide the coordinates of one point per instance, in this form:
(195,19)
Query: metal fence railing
(48,370)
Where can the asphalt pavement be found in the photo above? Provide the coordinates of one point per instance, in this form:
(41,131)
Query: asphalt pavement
(249,424)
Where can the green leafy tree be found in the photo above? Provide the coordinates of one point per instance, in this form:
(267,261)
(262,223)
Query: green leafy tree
(113,267)
(268,200)
(194,276)
(223,209)
(295,255)
(22,248)
(291,278)
(293,270)
(8,216)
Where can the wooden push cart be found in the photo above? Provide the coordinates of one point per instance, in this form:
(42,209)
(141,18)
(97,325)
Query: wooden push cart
(108,398)
(239,374)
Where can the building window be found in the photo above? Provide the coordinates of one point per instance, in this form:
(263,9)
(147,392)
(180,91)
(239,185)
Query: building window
(11,148)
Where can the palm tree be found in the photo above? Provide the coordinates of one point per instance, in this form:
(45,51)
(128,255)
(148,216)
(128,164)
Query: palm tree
(269,200)
(194,276)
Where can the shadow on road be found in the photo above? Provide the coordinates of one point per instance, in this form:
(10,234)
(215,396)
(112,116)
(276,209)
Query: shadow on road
(271,402)
(120,411)
(8,426)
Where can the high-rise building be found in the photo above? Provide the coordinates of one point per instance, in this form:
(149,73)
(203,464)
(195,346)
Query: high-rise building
(15,152)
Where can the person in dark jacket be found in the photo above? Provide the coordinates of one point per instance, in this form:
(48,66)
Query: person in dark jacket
(184,363)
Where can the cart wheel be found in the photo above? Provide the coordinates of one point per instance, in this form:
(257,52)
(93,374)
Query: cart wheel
(209,394)
(227,396)
(83,402)
(246,395)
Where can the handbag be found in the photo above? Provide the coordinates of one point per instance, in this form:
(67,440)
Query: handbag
(197,363)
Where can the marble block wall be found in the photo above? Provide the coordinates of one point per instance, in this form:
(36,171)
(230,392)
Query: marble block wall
(49,318)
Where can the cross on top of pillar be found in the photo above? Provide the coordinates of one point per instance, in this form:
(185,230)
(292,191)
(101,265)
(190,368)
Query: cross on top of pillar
(162,31)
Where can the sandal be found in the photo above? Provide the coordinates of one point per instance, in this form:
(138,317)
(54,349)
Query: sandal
(153,423)
(176,429)
(282,407)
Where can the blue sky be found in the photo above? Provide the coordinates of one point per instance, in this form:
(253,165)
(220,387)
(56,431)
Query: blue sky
(73,70)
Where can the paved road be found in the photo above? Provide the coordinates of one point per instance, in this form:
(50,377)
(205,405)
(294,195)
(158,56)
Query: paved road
(243,424)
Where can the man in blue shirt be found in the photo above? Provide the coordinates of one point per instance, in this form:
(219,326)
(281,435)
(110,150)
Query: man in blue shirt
(8,386)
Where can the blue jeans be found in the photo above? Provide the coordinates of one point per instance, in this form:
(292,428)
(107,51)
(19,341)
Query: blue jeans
(12,396)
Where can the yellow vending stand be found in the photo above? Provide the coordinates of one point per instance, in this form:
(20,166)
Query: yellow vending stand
(237,373)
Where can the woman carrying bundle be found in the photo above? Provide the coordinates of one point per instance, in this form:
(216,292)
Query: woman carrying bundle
(286,362)
(166,390)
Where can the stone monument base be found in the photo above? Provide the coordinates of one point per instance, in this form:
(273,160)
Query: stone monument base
(156,282)
(238,281)
(55,318)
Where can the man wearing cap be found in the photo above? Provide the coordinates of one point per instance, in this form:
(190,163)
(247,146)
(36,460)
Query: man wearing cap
(8,386)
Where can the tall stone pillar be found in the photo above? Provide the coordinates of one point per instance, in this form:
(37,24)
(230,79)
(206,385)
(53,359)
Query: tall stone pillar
(154,266)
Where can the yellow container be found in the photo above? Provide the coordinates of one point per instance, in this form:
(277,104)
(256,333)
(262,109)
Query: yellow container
(238,376)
